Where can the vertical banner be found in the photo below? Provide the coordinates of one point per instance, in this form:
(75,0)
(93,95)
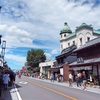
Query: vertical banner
(61,71)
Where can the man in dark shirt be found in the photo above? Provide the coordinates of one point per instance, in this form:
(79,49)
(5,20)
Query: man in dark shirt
(1,82)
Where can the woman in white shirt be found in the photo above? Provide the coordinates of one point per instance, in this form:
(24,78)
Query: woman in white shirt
(70,79)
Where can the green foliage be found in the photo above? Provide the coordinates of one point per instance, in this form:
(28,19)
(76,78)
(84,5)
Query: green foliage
(36,69)
(34,57)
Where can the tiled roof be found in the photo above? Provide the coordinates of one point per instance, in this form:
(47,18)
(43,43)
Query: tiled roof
(96,32)
(70,35)
(67,51)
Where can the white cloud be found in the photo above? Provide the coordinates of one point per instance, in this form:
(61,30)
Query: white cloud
(55,51)
(48,55)
(16,58)
(22,21)
(15,36)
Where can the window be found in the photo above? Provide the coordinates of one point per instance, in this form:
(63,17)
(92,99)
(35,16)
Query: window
(73,42)
(68,44)
(61,35)
(64,35)
(80,41)
(61,46)
(88,38)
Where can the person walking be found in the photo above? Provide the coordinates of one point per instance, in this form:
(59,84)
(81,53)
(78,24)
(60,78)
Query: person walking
(12,79)
(19,75)
(5,80)
(1,83)
(78,79)
(52,77)
(70,79)
(84,80)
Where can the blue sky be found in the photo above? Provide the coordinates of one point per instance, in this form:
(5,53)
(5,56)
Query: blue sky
(36,24)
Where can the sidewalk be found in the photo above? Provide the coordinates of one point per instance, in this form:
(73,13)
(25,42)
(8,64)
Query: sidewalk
(10,94)
(94,89)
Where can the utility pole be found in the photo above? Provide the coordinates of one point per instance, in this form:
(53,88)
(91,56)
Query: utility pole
(0,35)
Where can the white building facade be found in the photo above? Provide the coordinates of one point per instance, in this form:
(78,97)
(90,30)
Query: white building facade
(82,34)
(45,66)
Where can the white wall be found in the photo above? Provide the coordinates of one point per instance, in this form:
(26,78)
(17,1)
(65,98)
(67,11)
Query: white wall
(44,64)
(83,33)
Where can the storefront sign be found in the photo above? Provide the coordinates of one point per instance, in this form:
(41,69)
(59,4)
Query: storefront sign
(80,60)
(83,68)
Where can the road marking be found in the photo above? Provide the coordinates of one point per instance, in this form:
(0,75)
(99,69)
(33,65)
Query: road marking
(65,95)
(18,95)
(22,82)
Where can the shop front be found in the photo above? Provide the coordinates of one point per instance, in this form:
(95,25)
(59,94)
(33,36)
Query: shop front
(88,59)
(92,71)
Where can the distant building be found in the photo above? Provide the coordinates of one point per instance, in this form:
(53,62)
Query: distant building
(82,34)
(46,66)
(26,67)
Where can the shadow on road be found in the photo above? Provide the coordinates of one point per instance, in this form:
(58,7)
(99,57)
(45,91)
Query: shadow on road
(18,86)
(6,95)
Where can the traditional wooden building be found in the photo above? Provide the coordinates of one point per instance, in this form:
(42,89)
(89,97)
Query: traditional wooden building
(88,59)
(65,58)
(82,35)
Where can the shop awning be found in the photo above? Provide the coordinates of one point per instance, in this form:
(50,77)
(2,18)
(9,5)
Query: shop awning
(83,68)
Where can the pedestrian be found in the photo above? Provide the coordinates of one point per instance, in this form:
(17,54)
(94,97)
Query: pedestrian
(84,80)
(1,82)
(12,79)
(5,80)
(19,75)
(78,78)
(52,77)
(70,79)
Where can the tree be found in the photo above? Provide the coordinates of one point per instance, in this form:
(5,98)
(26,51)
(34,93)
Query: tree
(34,57)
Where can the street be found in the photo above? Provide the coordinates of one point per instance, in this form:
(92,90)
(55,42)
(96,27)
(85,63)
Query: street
(32,89)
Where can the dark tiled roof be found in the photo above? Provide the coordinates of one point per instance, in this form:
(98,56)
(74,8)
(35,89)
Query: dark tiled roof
(96,31)
(67,50)
(90,43)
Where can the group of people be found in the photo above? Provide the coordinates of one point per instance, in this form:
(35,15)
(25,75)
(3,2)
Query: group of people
(56,76)
(80,79)
(5,80)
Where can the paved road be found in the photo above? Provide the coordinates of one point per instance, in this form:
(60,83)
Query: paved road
(31,89)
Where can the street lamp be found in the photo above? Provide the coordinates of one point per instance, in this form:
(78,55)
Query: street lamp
(3,50)
(0,19)
(4,44)
(0,38)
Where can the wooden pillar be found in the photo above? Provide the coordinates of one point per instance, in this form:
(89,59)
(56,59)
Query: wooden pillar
(65,72)
(98,74)
(48,74)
